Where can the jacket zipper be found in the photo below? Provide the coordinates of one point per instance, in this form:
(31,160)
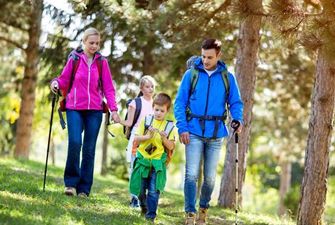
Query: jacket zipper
(209,83)
(75,97)
(88,86)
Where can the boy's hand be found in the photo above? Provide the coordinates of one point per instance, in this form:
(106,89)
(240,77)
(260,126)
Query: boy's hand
(151,132)
(163,135)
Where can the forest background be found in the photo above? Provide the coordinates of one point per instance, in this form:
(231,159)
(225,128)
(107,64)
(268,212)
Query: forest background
(281,51)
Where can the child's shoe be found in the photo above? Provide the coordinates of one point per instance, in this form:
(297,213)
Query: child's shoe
(150,220)
(144,210)
(134,202)
(70,191)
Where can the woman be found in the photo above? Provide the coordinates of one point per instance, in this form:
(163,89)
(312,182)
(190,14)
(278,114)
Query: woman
(85,90)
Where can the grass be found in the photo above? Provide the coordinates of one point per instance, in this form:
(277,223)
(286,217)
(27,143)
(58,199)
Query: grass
(22,201)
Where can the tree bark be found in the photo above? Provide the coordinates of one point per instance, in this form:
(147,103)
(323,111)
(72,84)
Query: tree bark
(24,125)
(285,184)
(246,77)
(314,183)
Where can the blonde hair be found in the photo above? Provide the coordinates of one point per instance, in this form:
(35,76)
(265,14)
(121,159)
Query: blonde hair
(145,79)
(90,31)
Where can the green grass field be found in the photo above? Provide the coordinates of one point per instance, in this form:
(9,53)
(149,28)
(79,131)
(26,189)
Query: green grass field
(22,201)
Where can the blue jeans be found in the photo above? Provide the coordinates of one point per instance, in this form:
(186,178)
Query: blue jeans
(76,174)
(149,200)
(210,150)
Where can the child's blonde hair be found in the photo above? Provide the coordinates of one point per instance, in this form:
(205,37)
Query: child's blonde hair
(145,79)
(90,31)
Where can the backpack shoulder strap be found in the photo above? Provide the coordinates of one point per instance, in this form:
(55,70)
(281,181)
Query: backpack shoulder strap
(75,64)
(194,79)
(138,104)
(148,119)
(99,61)
(224,75)
(168,127)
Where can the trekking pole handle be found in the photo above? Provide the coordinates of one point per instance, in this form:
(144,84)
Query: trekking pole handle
(235,124)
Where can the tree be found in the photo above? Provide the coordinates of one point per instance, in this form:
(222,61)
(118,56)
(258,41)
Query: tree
(314,184)
(314,25)
(248,44)
(26,20)
(24,125)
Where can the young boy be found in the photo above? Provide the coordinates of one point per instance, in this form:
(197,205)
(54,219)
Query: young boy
(156,144)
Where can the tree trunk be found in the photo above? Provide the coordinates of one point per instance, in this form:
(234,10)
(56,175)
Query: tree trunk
(104,151)
(314,183)
(148,59)
(245,73)
(24,125)
(285,184)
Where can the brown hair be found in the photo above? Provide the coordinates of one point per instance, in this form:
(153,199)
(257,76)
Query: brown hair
(211,44)
(162,99)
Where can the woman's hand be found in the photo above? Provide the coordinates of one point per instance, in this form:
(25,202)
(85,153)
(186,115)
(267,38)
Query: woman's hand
(116,117)
(54,86)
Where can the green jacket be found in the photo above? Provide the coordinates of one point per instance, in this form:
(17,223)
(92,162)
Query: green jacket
(141,170)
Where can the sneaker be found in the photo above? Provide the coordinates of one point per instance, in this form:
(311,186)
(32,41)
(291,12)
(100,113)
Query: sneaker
(134,202)
(190,218)
(150,220)
(83,195)
(70,191)
(144,210)
(202,217)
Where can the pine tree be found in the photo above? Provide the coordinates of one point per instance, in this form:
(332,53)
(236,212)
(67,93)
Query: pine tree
(248,41)
(313,23)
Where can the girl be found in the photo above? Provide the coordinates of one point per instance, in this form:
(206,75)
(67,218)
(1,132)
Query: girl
(85,88)
(147,88)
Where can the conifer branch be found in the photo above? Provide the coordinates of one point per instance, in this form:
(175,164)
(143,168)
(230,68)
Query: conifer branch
(16,44)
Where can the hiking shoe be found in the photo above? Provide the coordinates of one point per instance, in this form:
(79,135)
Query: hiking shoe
(144,210)
(134,202)
(70,191)
(82,195)
(190,218)
(202,217)
(150,220)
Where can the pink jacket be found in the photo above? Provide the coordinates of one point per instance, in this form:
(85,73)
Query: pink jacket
(85,93)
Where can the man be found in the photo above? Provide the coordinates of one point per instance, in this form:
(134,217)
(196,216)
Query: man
(200,111)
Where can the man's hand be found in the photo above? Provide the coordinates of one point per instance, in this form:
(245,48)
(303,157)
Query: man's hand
(184,138)
(54,86)
(116,117)
(237,126)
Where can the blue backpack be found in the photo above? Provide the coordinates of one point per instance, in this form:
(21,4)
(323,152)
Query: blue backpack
(138,103)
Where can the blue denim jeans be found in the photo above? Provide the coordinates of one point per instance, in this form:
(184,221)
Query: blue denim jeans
(149,200)
(76,174)
(209,149)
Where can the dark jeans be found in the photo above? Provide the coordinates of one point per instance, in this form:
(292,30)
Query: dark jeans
(149,196)
(80,176)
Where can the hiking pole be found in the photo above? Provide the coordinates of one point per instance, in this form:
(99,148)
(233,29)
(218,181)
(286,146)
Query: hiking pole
(54,98)
(235,125)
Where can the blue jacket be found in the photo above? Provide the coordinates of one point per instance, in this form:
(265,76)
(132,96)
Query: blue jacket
(208,98)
